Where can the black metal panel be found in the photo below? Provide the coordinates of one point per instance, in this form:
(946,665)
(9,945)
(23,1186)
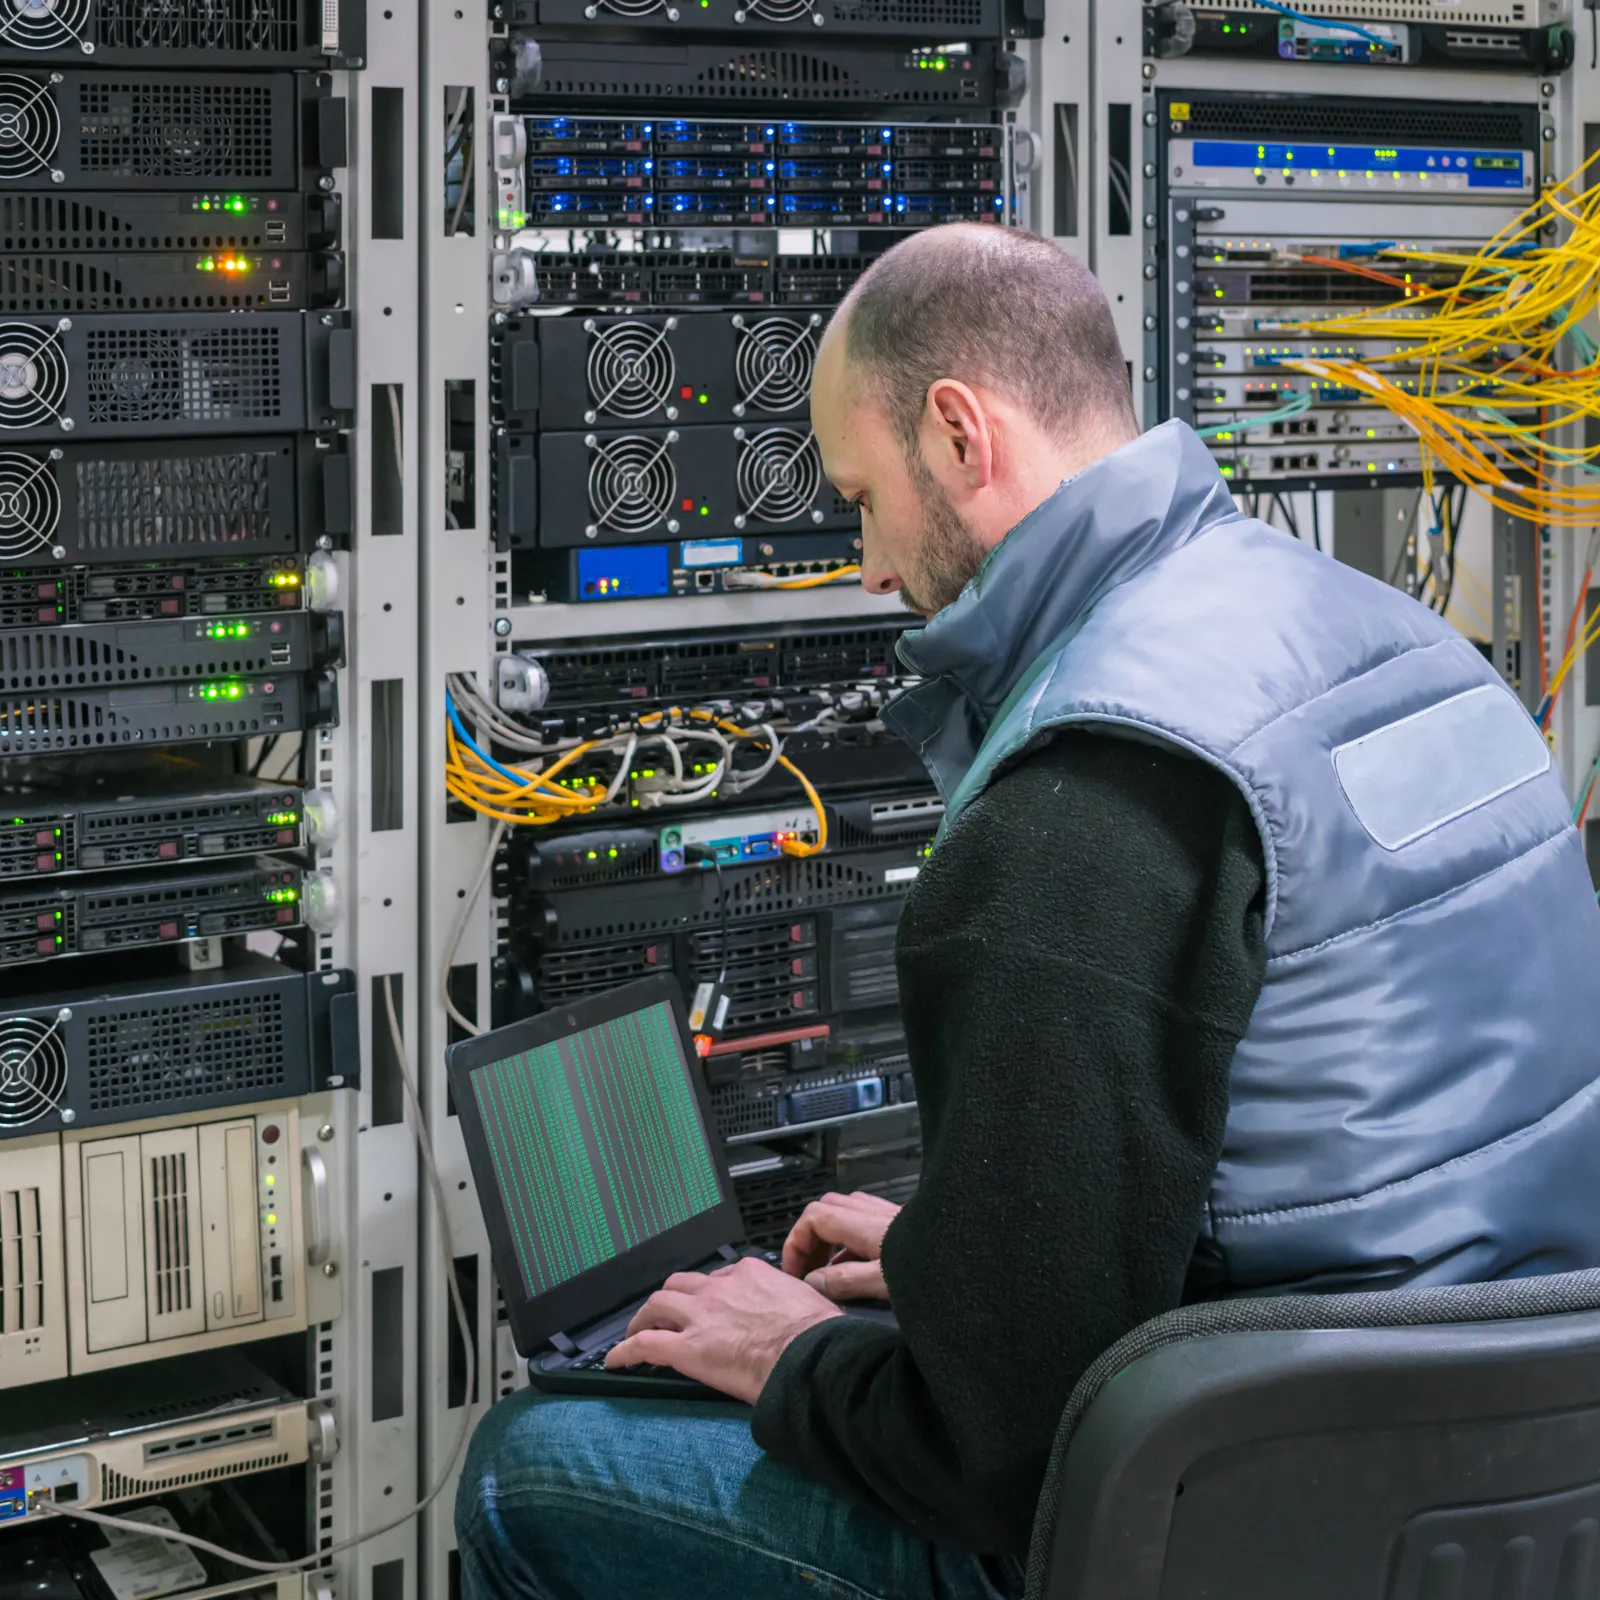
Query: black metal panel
(923,19)
(225,279)
(200,220)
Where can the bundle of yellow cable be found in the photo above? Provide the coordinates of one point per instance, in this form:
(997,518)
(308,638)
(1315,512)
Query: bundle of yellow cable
(1490,345)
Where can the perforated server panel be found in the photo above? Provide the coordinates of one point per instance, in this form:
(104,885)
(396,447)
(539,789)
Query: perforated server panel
(193,220)
(189,33)
(1277,212)
(183,500)
(924,19)
(173,1044)
(165,130)
(125,376)
(227,279)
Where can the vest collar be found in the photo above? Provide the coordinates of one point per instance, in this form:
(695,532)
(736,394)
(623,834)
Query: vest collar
(1037,586)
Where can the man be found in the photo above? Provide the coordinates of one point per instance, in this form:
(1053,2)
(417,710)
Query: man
(1257,952)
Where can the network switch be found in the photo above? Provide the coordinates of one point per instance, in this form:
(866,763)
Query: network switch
(58,822)
(72,130)
(227,278)
(153,591)
(117,503)
(1278,214)
(728,565)
(51,721)
(934,76)
(155,1043)
(1255,35)
(189,33)
(978,19)
(209,647)
(604,277)
(123,375)
(99,915)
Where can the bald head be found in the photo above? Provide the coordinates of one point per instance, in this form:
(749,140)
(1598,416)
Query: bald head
(994,308)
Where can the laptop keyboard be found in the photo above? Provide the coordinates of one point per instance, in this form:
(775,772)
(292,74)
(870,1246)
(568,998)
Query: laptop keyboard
(595,1360)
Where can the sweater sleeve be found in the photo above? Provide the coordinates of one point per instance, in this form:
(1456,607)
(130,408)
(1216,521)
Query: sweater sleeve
(1077,964)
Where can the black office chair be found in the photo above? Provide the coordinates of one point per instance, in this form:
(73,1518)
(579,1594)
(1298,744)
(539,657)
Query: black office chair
(1418,1444)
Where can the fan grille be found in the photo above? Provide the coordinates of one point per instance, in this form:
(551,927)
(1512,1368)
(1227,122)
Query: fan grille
(218,375)
(630,368)
(33,375)
(631,484)
(42,24)
(263,25)
(30,126)
(33,1069)
(175,130)
(773,363)
(30,505)
(779,475)
(778,10)
(631,8)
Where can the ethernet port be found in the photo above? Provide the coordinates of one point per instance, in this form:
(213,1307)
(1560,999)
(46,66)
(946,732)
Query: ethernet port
(65,1493)
(705,580)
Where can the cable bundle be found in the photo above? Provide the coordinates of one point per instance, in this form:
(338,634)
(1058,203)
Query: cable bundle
(1489,399)
(699,748)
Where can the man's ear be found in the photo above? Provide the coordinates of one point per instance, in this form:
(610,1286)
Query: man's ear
(961,437)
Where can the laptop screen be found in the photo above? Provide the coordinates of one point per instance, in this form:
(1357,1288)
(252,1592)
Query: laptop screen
(596,1144)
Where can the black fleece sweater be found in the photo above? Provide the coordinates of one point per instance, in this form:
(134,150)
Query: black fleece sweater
(1077,963)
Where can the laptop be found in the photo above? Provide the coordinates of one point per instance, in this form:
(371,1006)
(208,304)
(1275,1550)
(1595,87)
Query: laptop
(588,1129)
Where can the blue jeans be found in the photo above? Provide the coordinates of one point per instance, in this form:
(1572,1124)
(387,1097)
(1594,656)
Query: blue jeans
(590,1499)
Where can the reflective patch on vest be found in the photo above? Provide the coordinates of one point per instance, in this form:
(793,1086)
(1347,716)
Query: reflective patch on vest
(1415,775)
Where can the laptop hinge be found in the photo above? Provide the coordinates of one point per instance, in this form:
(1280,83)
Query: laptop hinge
(727,1252)
(563,1344)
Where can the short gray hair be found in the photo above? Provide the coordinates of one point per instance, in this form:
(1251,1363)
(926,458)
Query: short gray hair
(993,306)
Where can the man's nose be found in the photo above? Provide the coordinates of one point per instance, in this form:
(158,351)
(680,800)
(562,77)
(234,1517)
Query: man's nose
(877,577)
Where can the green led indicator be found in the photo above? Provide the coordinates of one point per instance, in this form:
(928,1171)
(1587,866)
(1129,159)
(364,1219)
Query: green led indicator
(702,399)
(705,511)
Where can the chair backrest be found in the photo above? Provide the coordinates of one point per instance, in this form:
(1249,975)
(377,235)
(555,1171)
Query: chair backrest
(1414,1444)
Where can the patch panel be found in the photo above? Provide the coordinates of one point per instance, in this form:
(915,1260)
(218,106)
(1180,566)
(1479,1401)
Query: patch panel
(858,18)
(581,73)
(100,915)
(208,647)
(58,721)
(65,821)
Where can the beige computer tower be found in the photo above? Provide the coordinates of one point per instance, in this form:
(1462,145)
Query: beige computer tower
(182,1233)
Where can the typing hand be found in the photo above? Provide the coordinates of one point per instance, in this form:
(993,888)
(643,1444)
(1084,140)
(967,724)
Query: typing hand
(726,1328)
(837,1244)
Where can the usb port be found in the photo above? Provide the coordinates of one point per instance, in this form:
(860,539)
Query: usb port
(277,232)
(277,1266)
(280,655)
(277,1289)
(278,292)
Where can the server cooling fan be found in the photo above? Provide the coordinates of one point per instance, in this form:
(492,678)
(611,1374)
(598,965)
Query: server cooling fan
(33,1069)
(30,506)
(777,11)
(624,8)
(44,24)
(33,375)
(30,126)
(142,385)
(630,369)
(779,476)
(195,139)
(772,365)
(632,482)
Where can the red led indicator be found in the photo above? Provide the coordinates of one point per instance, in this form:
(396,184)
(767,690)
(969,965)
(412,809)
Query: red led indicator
(688,505)
(686,393)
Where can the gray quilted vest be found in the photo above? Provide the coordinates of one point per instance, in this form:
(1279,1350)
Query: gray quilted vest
(1417,1097)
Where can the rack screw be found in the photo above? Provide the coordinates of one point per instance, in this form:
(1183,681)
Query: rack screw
(502,627)
(325,1132)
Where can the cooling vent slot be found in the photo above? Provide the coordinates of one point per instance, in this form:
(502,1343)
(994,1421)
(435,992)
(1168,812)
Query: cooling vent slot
(188,1051)
(171,1264)
(1387,120)
(919,13)
(779,475)
(772,365)
(212,1439)
(632,484)
(122,1486)
(33,1070)
(22,1257)
(221,374)
(630,369)
(30,126)
(239,25)
(134,129)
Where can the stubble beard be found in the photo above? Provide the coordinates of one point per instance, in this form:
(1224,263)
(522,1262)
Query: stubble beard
(948,555)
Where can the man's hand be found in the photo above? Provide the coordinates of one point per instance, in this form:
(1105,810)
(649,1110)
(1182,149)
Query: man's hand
(726,1328)
(837,1244)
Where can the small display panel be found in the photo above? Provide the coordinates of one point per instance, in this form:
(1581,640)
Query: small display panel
(596,1143)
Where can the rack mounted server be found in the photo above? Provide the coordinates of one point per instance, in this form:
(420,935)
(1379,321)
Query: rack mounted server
(154,591)
(977,19)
